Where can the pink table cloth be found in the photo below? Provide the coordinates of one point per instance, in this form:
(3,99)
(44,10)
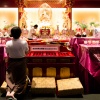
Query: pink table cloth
(88,61)
(75,41)
(2,63)
(86,67)
(4,52)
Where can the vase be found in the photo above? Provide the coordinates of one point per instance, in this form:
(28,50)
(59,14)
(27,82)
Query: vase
(84,32)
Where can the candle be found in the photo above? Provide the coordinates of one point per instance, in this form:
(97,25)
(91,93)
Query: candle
(85,42)
(89,41)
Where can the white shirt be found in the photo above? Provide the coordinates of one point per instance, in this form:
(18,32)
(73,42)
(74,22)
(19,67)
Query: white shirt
(16,48)
(31,33)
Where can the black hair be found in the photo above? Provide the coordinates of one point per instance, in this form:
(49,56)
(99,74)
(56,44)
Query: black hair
(36,26)
(16,32)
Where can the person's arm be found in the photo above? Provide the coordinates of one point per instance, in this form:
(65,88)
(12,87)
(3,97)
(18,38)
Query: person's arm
(27,49)
(26,52)
(6,49)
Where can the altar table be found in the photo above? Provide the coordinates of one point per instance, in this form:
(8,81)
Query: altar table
(88,61)
(88,68)
(2,63)
(75,41)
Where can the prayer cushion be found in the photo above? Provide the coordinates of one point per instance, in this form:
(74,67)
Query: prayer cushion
(43,85)
(70,86)
(37,72)
(51,72)
(3,87)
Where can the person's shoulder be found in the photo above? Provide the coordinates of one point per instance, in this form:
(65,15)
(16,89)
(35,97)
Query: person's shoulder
(24,41)
(8,42)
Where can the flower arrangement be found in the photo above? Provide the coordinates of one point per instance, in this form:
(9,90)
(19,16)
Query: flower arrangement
(77,22)
(94,24)
(77,30)
(80,30)
(8,26)
(83,26)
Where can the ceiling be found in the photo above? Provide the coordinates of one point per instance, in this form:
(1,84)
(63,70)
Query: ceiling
(53,3)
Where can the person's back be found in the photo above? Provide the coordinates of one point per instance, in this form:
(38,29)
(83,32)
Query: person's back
(17,48)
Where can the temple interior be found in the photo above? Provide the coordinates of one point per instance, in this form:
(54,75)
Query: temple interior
(64,52)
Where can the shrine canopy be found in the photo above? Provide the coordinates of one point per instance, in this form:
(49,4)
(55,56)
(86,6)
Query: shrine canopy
(52,3)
